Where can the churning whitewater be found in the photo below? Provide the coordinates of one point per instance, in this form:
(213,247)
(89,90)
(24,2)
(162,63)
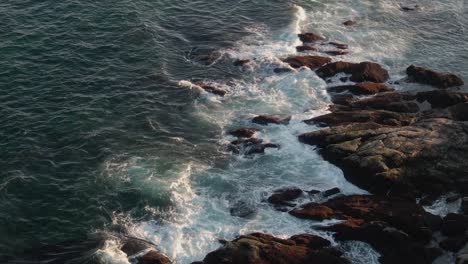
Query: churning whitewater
(121,138)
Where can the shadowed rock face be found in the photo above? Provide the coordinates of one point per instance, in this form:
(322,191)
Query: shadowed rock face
(272,119)
(398,151)
(310,37)
(430,77)
(312,62)
(398,229)
(260,248)
(365,88)
(360,72)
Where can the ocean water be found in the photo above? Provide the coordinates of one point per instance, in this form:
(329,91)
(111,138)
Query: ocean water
(104,132)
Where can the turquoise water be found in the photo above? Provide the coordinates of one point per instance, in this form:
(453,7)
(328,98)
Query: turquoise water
(102,131)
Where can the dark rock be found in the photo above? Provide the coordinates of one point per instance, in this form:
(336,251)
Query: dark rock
(430,77)
(154,257)
(247,141)
(331,192)
(285,196)
(133,246)
(260,149)
(417,155)
(242,209)
(305,48)
(399,213)
(282,70)
(452,198)
(360,72)
(408,8)
(272,119)
(261,248)
(244,132)
(240,62)
(338,45)
(349,23)
(454,244)
(464,206)
(342,99)
(310,37)
(382,117)
(314,192)
(250,146)
(336,52)
(454,224)
(442,98)
(211,89)
(365,88)
(312,62)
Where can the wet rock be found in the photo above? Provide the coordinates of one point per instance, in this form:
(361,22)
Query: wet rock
(310,37)
(349,23)
(285,196)
(338,45)
(442,98)
(430,77)
(260,149)
(134,246)
(305,48)
(261,248)
(331,192)
(360,72)
(282,70)
(454,244)
(240,62)
(312,62)
(250,146)
(402,214)
(272,119)
(394,246)
(211,89)
(244,132)
(454,224)
(247,141)
(383,117)
(342,99)
(452,198)
(403,153)
(336,52)
(365,88)
(243,209)
(153,257)
(410,8)
(464,206)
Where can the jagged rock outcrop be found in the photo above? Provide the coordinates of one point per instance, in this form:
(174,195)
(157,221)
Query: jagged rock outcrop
(260,248)
(430,77)
(387,147)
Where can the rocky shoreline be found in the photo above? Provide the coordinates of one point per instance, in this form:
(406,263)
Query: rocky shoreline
(407,149)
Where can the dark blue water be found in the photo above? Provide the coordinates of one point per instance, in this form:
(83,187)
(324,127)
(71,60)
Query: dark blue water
(95,128)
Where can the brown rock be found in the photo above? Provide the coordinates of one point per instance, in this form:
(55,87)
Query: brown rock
(338,45)
(336,52)
(390,149)
(305,48)
(360,72)
(244,132)
(211,89)
(272,119)
(349,23)
(285,196)
(309,37)
(365,88)
(265,249)
(430,77)
(240,62)
(153,257)
(312,62)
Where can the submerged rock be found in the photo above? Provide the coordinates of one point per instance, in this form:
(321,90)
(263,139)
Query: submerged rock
(282,70)
(211,89)
(240,62)
(309,37)
(430,77)
(349,23)
(272,119)
(338,45)
(360,72)
(243,209)
(312,62)
(265,249)
(305,48)
(285,196)
(244,132)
